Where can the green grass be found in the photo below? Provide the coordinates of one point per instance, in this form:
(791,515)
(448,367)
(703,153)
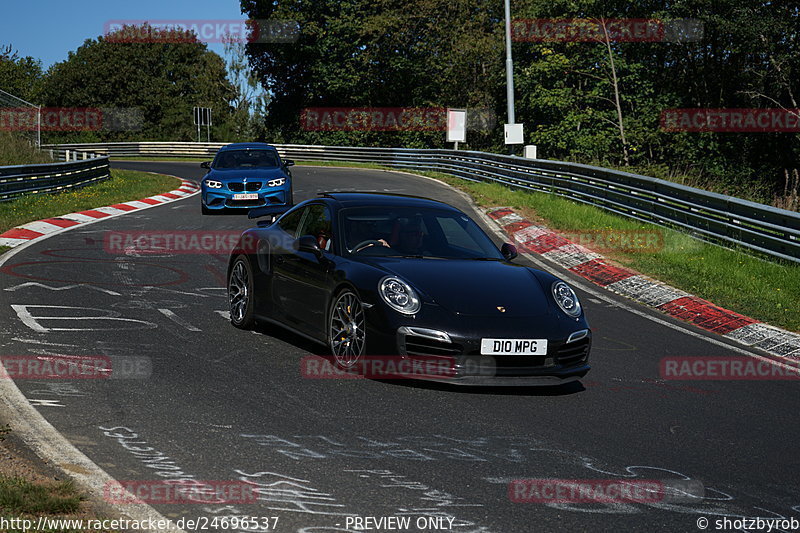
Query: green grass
(124,185)
(21,497)
(17,150)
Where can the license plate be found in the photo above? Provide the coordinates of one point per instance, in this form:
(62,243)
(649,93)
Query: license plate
(513,346)
(246,196)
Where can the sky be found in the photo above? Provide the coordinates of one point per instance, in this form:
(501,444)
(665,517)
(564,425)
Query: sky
(49,29)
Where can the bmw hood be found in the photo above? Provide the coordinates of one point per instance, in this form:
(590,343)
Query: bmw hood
(472,288)
(250,174)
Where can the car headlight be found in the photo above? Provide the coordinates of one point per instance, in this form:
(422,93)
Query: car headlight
(399,295)
(212,184)
(276,183)
(566,299)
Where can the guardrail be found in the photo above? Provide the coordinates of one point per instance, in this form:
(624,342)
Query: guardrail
(704,215)
(21,180)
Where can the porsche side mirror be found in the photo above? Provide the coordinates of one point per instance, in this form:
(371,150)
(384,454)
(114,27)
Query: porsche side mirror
(509,251)
(205,164)
(308,243)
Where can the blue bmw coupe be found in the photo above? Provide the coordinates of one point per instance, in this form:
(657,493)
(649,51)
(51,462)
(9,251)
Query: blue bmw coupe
(244,176)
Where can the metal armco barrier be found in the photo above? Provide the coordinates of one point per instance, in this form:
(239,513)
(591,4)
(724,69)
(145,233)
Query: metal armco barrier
(52,177)
(704,215)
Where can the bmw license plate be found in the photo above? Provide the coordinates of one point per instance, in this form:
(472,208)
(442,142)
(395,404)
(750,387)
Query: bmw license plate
(246,196)
(513,346)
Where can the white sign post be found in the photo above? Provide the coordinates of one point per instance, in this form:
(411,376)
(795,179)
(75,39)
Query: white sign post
(456,126)
(202,117)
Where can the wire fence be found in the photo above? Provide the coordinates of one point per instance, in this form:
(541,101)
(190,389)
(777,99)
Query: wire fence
(20,116)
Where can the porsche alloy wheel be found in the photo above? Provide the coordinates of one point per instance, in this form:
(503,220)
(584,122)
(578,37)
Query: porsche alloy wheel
(347,333)
(240,294)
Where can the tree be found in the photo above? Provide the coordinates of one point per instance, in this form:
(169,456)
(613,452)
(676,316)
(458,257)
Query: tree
(384,53)
(250,100)
(20,76)
(164,80)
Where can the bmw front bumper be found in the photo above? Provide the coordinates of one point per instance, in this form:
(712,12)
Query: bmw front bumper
(225,199)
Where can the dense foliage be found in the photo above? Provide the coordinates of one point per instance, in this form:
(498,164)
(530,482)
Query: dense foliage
(412,53)
(595,101)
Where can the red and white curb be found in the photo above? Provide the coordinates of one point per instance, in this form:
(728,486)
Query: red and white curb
(34,230)
(626,282)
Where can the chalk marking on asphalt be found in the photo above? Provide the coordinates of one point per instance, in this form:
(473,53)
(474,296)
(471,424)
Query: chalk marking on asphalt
(44,343)
(48,443)
(178,320)
(64,288)
(33,321)
(38,402)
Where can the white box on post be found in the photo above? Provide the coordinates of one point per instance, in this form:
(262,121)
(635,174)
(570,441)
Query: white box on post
(513,133)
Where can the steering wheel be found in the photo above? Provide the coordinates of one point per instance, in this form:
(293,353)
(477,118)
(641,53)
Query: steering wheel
(364,244)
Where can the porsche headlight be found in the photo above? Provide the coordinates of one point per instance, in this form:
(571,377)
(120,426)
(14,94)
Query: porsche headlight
(276,183)
(399,295)
(566,299)
(213,184)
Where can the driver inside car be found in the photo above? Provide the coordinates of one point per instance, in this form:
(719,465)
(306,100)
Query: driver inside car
(407,236)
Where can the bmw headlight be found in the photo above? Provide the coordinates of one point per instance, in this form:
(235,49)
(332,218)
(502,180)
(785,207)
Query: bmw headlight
(213,184)
(276,183)
(399,295)
(566,299)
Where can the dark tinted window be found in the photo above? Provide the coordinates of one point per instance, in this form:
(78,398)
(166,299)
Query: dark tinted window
(290,221)
(317,223)
(399,231)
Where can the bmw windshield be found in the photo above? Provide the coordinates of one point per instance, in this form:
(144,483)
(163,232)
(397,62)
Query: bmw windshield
(245,159)
(414,232)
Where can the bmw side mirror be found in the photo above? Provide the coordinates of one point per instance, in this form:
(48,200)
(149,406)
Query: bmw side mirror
(308,243)
(288,163)
(509,251)
(205,164)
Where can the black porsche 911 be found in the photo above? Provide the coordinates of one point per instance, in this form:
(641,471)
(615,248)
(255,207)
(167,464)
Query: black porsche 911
(378,274)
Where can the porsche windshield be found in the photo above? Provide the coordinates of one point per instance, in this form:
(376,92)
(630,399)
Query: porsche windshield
(244,159)
(414,232)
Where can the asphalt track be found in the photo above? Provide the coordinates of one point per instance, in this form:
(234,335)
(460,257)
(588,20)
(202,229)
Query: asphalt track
(226,404)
